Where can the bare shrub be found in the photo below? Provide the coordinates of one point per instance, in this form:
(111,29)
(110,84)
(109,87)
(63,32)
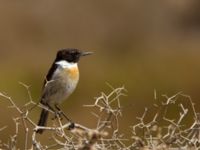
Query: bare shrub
(156,128)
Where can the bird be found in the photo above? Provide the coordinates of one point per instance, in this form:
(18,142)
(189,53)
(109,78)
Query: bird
(60,82)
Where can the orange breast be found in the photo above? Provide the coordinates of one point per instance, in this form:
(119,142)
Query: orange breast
(73,73)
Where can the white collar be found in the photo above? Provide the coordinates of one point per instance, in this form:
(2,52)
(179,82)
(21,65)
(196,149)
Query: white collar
(66,64)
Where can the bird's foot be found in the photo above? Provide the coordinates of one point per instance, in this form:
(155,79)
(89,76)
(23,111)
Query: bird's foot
(71,126)
(58,115)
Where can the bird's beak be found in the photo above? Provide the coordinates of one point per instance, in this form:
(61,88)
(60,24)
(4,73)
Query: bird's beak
(86,53)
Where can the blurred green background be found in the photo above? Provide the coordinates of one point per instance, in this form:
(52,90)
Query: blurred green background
(143,45)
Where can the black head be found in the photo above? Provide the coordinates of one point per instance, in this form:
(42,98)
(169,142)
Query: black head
(70,55)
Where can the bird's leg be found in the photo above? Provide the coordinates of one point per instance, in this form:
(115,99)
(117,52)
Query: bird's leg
(72,125)
(52,109)
(58,112)
(62,113)
(49,107)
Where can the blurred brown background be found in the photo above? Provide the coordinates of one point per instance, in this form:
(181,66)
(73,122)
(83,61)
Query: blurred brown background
(143,45)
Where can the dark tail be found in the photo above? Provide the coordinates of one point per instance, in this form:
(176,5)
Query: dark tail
(43,120)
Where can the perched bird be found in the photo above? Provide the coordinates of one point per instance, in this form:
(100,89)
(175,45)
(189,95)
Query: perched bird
(60,81)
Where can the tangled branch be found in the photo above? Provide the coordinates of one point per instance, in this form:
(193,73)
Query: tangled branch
(65,134)
(163,126)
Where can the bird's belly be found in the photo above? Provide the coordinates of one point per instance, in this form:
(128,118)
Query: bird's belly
(70,78)
(61,86)
(67,82)
(70,86)
(63,91)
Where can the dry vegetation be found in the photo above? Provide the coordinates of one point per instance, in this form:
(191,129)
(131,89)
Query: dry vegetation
(155,128)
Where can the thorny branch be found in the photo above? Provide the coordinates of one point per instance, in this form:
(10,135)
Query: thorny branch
(157,128)
(64,134)
(166,133)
